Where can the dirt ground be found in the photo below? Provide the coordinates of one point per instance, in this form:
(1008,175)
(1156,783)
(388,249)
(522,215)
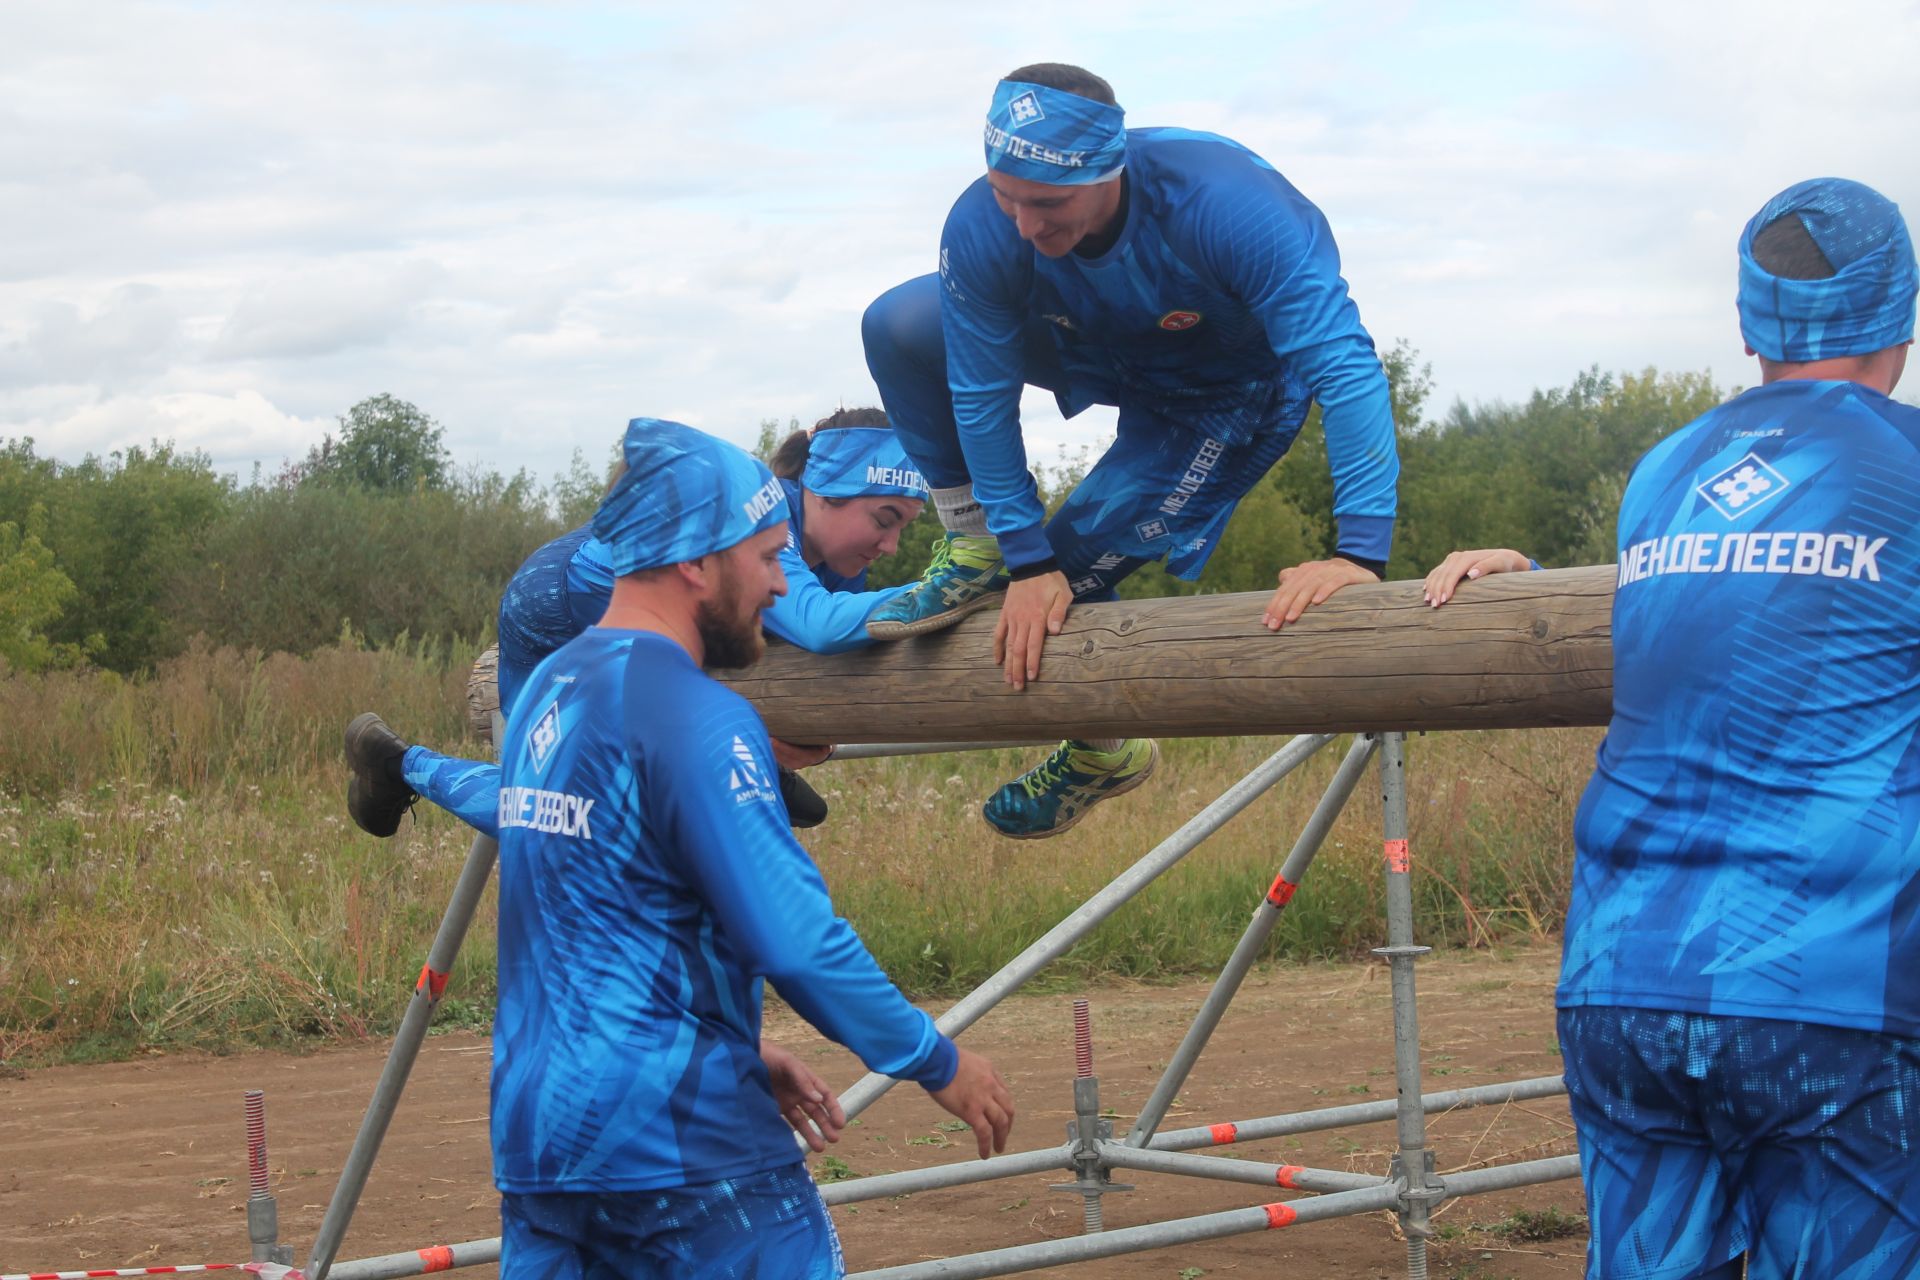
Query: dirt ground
(143,1163)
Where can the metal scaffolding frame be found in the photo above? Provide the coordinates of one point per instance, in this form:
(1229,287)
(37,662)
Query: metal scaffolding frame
(1411,1188)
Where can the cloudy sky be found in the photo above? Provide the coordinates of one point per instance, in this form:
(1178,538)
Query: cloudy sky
(223,224)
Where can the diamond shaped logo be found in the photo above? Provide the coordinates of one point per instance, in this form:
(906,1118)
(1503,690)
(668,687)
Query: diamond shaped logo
(1743,486)
(1024,109)
(544,737)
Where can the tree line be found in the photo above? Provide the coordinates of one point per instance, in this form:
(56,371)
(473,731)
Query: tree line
(121,561)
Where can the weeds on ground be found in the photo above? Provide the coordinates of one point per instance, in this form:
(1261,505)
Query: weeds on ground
(1550,1223)
(832,1169)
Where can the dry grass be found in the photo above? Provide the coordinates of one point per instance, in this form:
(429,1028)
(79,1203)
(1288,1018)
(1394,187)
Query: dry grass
(176,866)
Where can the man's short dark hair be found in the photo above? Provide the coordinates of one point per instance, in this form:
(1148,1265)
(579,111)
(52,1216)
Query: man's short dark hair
(1067,78)
(1784,249)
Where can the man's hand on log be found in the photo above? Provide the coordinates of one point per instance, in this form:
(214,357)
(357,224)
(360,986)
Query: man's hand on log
(1034,609)
(1309,584)
(794,756)
(1449,573)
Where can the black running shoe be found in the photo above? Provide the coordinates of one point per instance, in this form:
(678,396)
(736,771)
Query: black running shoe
(805,808)
(376,797)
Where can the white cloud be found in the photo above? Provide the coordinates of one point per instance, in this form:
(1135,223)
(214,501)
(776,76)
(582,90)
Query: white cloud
(232,427)
(234,221)
(319,311)
(127,335)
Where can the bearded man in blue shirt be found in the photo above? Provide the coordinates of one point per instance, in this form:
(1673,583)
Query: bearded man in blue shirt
(649,886)
(1174,274)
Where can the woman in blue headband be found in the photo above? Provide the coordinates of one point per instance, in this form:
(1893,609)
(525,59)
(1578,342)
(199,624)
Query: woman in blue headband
(850,490)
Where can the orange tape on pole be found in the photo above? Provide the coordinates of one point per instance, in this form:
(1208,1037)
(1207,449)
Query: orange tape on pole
(437,1258)
(433,982)
(1223,1133)
(1279,1215)
(1398,858)
(1282,892)
(1284,1176)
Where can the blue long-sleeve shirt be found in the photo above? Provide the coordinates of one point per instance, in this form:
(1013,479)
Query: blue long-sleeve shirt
(822,611)
(1750,842)
(1223,287)
(649,883)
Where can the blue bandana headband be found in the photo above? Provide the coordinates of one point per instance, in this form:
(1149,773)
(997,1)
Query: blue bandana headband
(1052,136)
(861,462)
(685,495)
(1866,306)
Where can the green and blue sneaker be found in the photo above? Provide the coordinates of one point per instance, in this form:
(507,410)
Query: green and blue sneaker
(966,572)
(1055,794)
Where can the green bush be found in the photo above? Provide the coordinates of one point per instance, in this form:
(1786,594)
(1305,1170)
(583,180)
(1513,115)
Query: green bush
(286,568)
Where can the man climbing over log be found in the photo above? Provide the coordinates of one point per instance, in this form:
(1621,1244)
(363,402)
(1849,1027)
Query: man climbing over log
(1739,999)
(1175,275)
(649,884)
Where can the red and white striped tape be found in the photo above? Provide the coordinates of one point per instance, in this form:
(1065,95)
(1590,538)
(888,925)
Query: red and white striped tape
(128,1271)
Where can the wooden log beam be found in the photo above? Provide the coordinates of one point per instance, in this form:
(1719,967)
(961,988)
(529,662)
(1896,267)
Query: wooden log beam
(1519,650)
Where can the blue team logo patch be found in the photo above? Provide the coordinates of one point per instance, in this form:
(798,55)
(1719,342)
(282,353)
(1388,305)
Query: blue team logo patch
(1743,486)
(946,275)
(544,737)
(1024,109)
(1086,585)
(747,777)
(1151,531)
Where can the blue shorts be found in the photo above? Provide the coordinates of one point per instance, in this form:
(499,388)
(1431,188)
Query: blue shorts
(1707,1139)
(764,1226)
(1159,492)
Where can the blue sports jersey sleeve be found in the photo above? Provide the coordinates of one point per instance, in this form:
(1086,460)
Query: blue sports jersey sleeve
(817,619)
(728,828)
(985,277)
(1271,248)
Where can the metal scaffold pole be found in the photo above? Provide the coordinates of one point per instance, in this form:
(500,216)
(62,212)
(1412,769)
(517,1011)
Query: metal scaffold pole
(872,1087)
(1413,1162)
(1411,1187)
(427,990)
(1265,917)
(400,1058)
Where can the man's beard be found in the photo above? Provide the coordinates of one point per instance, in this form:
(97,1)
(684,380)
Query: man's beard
(729,634)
